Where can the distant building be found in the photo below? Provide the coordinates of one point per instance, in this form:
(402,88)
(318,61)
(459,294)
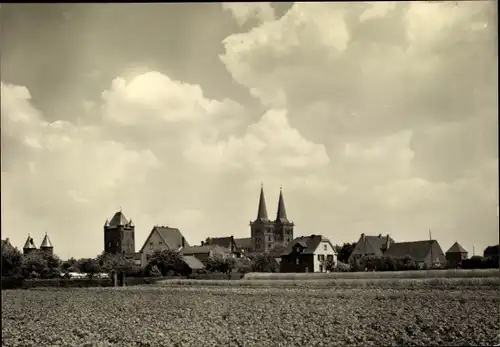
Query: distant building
(119,235)
(29,246)
(427,253)
(308,254)
(161,238)
(267,234)
(6,244)
(455,255)
(370,245)
(45,247)
(204,252)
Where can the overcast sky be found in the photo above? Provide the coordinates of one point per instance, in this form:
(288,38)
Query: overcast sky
(375,118)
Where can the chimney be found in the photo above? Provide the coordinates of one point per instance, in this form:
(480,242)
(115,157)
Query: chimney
(379,236)
(387,242)
(182,242)
(202,243)
(363,237)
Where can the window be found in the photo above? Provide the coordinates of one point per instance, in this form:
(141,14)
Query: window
(160,243)
(325,247)
(319,256)
(297,261)
(109,244)
(329,257)
(117,244)
(297,249)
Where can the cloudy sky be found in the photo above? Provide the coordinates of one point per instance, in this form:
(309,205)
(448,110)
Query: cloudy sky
(375,118)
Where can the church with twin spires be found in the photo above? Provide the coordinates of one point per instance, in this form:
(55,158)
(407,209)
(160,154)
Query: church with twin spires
(269,234)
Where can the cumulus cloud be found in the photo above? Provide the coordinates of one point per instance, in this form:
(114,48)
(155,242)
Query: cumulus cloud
(244,12)
(402,95)
(374,117)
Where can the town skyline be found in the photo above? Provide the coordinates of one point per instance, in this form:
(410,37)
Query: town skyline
(381,121)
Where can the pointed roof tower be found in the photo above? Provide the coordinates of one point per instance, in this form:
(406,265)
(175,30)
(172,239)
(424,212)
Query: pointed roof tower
(46,242)
(262,212)
(456,248)
(106,223)
(118,220)
(29,243)
(281,214)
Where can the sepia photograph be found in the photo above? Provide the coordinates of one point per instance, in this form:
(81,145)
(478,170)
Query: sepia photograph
(266,174)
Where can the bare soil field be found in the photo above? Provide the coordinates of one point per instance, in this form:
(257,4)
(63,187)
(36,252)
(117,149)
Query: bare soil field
(199,315)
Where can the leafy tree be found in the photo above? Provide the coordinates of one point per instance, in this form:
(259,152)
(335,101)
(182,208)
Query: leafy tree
(89,266)
(344,251)
(243,265)
(70,265)
(154,271)
(12,260)
(118,262)
(264,262)
(329,265)
(220,262)
(34,265)
(167,261)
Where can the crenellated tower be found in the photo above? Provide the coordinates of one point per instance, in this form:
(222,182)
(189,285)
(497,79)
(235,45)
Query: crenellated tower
(262,229)
(283,228)
(119,235)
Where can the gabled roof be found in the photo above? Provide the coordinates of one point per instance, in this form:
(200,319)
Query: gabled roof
(205,249)
(244,243)
(418,250)
(309,243)
(6,243)
(172,237)
(456,248)
(192,262)
(46,242)
(371,244)
(29,243)
(223,241)
(118,220)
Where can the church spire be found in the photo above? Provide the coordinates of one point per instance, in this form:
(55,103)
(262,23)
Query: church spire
(262,213)
(281,215)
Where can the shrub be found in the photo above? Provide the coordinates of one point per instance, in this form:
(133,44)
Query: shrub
(154,271)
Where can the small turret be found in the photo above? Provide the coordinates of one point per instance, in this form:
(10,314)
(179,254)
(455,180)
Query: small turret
(131,224)
(106,224)
(29,246)
(46,245)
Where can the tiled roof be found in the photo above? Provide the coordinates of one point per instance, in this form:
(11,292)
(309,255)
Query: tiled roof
(6,243)
(222,241)
(456,248)
(204,249)
(371,244)
(310,243)
(118,220)
(172,237)
(46,242)
(193,263)
(244,243)
(418,250)
(29,243)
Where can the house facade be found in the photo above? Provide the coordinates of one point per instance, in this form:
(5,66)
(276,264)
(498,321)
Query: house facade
(455,255)
(161,238)
(308,254)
